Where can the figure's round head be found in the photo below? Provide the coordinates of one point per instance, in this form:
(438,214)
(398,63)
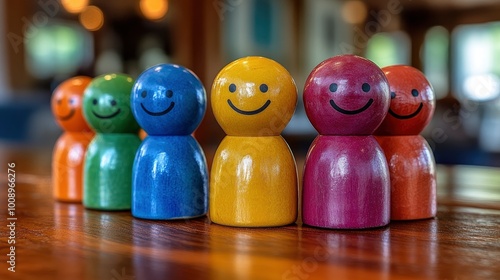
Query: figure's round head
(168,99)
(412,101)
(346,95)
(253,96)
(66,104)
(106,104)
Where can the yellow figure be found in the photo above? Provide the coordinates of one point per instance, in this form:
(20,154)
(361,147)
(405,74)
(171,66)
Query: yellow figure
(253,180)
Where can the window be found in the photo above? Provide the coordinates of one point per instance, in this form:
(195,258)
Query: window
(476,52)
(435,56)
(389,48)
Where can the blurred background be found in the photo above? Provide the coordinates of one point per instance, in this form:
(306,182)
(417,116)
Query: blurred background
(456,43)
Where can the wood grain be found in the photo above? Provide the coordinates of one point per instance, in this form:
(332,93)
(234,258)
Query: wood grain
(57,240)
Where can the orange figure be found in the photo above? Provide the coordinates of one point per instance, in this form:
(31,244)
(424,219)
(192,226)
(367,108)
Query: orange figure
(142,134)
(411,163)
(69,150)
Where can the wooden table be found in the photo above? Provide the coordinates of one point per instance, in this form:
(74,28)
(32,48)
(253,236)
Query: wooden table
(65,241)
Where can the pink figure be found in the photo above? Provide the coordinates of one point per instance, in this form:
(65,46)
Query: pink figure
(346,177)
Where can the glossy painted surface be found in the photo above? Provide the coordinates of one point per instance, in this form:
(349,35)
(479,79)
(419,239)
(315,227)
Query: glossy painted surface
(346,95)
(412,101)
(253,182)
(253,179)
(67,165)
(168,99)
(346,183)
(413,176)
(66,104)
(69,150)
(170,174)
(107,181)
(107,104)
(253,96)
(66,241)
(170,179)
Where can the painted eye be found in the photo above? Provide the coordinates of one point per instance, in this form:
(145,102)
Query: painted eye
(365,87)
(170,93)
(393,95)
(414,92)
(94,101)
(113,103)
(333,87)
(232,87)
(144,94)
(71,101)
(263,88)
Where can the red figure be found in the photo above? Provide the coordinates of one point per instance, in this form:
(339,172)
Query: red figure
(69,151)
(346,177)
(411,164)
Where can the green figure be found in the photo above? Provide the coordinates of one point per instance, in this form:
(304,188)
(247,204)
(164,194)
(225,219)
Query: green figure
(107,178)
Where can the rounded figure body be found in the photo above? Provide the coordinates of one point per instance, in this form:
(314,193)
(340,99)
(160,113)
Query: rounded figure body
(346,178)
(107,181)
(254,176)
(346,183)
(69,150)
(411,163)
(108,165)
(170,174)
(170,179)
(67,165)
(413,176)
(253,182)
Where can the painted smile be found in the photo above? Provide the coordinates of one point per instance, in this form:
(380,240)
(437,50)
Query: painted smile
(404,117)
(353,112)
(158,113)
(68,116)
(108,116)
(249,112)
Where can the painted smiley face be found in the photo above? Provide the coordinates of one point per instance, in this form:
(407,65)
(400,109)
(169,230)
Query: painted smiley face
(106,104)
(71,102)
(105,115)
(66,104)
(262,88)
(412,101)
(168,99)
(346,95)
(253,96)
(365,87)
(414,93)
(168,94)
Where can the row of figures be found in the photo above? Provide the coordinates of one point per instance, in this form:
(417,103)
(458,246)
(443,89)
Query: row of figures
(367,166)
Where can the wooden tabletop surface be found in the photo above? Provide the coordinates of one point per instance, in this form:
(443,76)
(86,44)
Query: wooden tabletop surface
(65,241)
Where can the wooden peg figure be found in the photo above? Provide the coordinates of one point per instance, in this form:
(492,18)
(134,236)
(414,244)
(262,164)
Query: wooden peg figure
(254,176)
(411,163)
(346,177)
(69,150)
(110,156)
(170,175)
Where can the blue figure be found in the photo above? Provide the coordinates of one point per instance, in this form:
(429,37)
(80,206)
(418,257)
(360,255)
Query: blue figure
(170,175)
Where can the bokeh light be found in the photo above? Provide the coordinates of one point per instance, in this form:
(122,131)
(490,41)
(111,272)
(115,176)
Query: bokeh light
(92,18)
(74,6)
(154,9)
(354,11)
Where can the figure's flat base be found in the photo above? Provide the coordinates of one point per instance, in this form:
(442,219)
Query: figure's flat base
(169,219)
